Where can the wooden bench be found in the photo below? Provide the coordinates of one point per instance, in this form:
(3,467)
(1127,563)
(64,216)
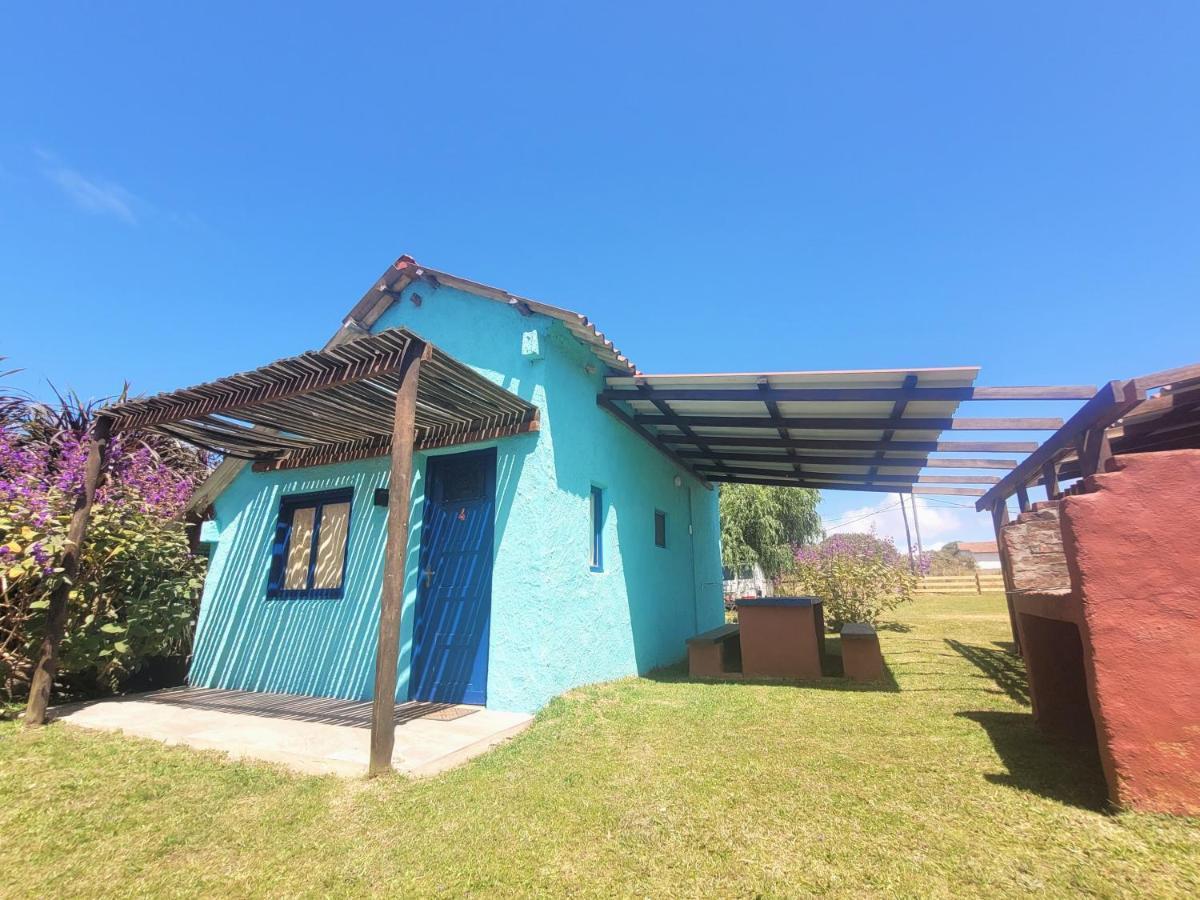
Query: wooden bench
(716,653)
(862,659)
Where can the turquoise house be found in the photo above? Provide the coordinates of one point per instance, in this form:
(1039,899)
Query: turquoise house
(575,553)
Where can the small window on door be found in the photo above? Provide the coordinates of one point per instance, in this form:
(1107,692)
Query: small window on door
(597,521)
(308,557)
(660,528)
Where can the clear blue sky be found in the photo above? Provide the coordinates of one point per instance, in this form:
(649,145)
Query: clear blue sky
(189,192)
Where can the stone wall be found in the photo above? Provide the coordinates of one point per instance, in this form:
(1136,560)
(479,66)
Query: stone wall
(1035,551)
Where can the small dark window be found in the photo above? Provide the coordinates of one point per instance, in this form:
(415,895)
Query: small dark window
(660,528)
(462,481)
(308,557)
(597,508)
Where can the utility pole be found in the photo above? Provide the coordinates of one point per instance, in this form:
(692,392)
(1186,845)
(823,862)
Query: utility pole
(907,534)
(917,529)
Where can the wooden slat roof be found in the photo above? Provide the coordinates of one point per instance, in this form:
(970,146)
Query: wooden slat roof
(331,404)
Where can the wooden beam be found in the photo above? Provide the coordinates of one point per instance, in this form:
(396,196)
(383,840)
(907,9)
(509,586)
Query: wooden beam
(56,616)
(1111,402)
(856,445)
(627,420)
(999,519)
(1050,479)
(331,454)
(391,600)
(854,424)
(910,385)
(857,395)
(663,407)
(914,462)
(811,481)
(857,477)
(310,372)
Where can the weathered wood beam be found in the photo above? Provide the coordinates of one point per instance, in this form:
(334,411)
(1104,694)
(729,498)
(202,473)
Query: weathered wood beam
(627,420)
(331,454)
(56,616)
(320,371)
(391,600)
(1111,402)
(856,424)
(856,395)
(856,445)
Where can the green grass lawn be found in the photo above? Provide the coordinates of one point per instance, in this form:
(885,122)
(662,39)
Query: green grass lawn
(937,785)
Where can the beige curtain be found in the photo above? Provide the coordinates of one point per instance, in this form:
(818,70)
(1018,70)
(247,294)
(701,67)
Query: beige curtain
(331,554)
(299,549)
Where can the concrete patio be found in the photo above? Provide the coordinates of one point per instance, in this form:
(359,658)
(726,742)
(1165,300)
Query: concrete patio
(313,735)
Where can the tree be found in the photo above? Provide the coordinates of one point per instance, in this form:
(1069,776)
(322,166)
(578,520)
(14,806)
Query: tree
(763,525)
(949,560)
(858,576)
(136,592)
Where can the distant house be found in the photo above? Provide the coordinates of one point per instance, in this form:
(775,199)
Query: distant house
(986,553)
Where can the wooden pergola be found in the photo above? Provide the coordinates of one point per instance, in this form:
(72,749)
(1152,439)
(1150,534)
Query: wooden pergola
(1120,417)
(388,393)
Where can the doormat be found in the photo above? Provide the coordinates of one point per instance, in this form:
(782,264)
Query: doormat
(450,713)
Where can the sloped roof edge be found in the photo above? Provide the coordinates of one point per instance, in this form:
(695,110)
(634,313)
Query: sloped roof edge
(387,289)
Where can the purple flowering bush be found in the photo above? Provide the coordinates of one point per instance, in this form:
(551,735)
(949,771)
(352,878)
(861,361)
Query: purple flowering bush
(137,590)
(858,576)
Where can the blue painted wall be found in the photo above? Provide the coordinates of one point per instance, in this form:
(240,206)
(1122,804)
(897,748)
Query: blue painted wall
(555,624)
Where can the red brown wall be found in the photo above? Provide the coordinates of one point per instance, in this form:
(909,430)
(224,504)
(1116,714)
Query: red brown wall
(1133,547)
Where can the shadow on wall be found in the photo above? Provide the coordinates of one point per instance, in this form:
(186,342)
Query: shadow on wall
(1067,772)
(302,646)
(999,664)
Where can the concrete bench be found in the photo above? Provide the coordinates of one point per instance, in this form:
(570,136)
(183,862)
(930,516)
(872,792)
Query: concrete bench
(715,653)
(782,637)
(862,659)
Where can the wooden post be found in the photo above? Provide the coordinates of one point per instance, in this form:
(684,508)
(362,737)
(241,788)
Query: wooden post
(999,520)
(1023,498)
(56,618)
(387,654)
(1050,479)
(978,585)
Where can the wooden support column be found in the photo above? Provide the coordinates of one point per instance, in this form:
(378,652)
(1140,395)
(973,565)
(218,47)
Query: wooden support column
(387,653)
(999,520)
(1050,479)
(56,619)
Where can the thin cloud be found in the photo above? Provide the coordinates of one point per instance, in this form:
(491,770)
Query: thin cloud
(939,523)
(94,195)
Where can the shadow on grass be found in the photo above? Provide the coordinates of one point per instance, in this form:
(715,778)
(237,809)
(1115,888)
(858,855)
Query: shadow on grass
(899,627)
(1004,668)
(1067,772)
(832,677)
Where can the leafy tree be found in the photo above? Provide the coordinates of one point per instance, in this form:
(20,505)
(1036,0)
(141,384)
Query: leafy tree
(949,560)
(137,590)
(858,576)
(764,525)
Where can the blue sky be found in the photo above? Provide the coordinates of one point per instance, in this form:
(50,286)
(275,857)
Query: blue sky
(186,192)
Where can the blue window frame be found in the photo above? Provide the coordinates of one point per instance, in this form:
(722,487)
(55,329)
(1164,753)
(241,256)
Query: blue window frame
(597,507)
(660,528)
(308,555)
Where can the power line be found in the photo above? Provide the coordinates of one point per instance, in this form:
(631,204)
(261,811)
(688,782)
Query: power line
(869,515)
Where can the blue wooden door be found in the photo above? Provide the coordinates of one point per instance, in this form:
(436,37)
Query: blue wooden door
(454,594)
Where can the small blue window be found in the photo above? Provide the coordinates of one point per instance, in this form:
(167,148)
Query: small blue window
(660,528)
(308,556)
(597,529)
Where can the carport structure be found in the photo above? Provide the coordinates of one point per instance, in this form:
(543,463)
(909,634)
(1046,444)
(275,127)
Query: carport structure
(859,430)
